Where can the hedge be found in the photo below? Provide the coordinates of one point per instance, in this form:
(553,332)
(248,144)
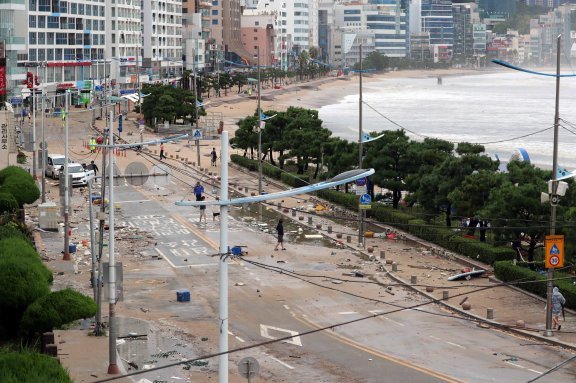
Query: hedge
(506,271)
(30,367)
(21,250)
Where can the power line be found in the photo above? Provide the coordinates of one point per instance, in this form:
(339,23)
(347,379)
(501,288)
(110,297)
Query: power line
(552,369)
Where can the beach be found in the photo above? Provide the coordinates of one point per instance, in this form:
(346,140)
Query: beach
(312,94)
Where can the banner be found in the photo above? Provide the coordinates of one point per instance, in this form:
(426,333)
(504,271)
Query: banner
(2,76)
(348,41)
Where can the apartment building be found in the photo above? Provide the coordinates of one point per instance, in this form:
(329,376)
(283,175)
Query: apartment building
(12,40)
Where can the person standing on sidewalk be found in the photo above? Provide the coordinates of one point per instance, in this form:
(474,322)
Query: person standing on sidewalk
(215,211)
(213,157)
(162,155)
(558,302)
(198,190)
(280,233)
(202,210)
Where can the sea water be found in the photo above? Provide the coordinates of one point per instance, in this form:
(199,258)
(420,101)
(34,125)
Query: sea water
(503,111)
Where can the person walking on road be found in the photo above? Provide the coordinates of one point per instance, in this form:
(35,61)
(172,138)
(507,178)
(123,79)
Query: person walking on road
(202,210)
(93,166)
(213,156)
(558,302)
(92,145)
(162,155)
(280,233)
(198,190)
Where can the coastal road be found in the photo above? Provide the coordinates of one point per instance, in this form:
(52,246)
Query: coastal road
(410,345)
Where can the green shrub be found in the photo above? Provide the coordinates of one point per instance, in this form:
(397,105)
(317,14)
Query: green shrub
(21,283)
(21,250)
(8,203)
(251,165)
(295,180)
(13,230)
(507,272)
(16,172)
(30,367)
(24,191)
(55,310)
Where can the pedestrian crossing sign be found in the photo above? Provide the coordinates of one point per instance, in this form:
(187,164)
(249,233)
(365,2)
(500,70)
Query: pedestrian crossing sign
(554,252)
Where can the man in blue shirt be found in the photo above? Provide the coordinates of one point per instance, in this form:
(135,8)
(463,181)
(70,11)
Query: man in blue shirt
(198,190)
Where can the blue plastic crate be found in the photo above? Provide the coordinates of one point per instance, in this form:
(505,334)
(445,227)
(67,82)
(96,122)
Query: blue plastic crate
(183,295)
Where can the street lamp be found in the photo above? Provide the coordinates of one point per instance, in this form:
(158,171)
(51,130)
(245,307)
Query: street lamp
(224,202)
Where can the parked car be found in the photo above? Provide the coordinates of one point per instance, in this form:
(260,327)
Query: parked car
(80,175)
(53,164)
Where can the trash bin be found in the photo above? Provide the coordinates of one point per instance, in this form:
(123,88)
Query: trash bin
(72,248)
(183,295)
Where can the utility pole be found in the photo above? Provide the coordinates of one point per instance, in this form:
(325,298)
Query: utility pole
(550,273)
(44,136)
(98,329)
(196,115)
(259,126)
(34,163)
(360,149)
(66,183)
(223,269)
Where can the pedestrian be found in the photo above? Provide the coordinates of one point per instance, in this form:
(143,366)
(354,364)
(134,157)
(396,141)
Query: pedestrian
(92,144)
(162,155)
(280,233)
(213,156)
(93,166)
(202,210)
(483,224)
(558,302)
(215,211)
(198,190)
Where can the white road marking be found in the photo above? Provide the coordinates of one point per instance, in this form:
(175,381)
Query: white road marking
(245,268)
(295,340)
(230,333)
(287,307)
(200,265)
(165,257)
(347,312)
(134,201)
(240,339)
(515,365)
(376,312)
(258,279)
(456,345)
(393,321)
(536,371)
(279,361)
(433,337)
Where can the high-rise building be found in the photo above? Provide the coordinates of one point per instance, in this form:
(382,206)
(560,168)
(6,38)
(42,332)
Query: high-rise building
(497,9)
(162,39)
(13,31)
(436,18)
(465,16)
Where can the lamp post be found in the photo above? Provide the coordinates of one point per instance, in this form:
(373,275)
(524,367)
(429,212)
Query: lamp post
(259,111)
(224,202)
(66,183)
(550,272)
(360,149)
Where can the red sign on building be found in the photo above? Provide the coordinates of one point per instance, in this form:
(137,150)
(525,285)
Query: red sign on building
(2,76)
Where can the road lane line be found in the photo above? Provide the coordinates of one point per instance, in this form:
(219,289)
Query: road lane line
(134,201)
(347,312)
(279,361)
(515,365)
(535,371)
(240,339)
(165,257)
(456,345)
(230,333)
(436,338)
(393,321)
(196,231)
(287,307)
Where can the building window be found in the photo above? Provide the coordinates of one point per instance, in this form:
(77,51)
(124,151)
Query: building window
(214,12)
(53,22)
(215,22)
(215,2)
(41,54)
(32,5)
(32,21)
(44,5)
(58,54)
(50,38)
(31,54)
(41,38)
(32,38)
(49,54)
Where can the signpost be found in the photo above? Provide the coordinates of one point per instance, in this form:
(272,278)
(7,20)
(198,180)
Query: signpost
(554,251)
(361,186)
(365,202)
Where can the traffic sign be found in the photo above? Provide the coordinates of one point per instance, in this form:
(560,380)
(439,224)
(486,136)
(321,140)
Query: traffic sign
(197,134)
(361,181)
(361,190)
(365,201)
(120,124)
(554,251)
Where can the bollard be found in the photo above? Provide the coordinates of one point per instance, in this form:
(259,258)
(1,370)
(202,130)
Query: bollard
(293,213)
(348,238)
(279,205)
(329,229)
(382,254)
(489,313)
(445,295)
(394,266)
(246,190)
(309,220)
(413,279)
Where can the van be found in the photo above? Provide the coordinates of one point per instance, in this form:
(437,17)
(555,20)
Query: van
(80,175)
(53,164)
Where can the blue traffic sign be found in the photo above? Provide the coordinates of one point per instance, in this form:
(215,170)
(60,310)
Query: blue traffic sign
(361,181)
(365,199)
(120,123)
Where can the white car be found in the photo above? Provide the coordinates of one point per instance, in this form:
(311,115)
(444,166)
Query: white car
(79,174)
(53,164)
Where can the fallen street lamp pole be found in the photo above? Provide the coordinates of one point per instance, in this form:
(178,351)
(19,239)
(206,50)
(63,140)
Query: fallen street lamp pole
(224,202)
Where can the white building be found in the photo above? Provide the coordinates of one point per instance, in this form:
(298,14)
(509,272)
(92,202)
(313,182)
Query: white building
(13,33)
(162,44)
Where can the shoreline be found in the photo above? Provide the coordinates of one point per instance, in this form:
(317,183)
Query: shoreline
(317,93)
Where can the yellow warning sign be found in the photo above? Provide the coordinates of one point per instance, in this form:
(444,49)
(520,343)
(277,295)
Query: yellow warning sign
(554,251)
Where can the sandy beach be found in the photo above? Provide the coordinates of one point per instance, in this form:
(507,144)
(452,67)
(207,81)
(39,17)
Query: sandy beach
(312,94)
